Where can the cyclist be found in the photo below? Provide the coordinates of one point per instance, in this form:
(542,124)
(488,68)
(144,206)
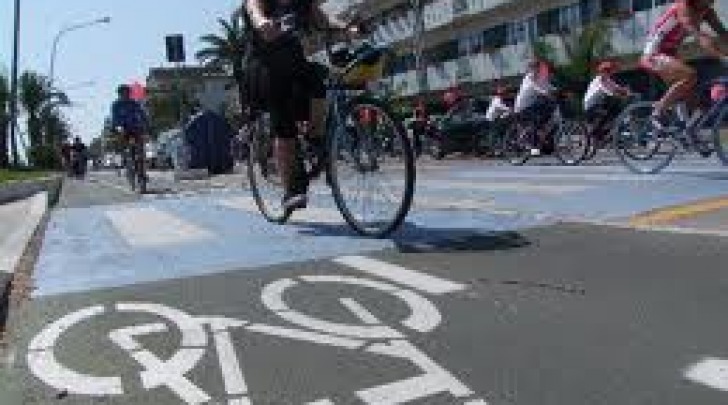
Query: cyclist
(604,97)
(497,115)
(684,18)
(129,120)
(498,108)
(285,83)
(535,99)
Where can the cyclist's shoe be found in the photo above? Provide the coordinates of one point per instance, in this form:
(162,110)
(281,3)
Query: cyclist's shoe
(535,152)
(294,201)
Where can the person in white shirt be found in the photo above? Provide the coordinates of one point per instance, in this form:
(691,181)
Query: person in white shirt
(498,109)
(603,101)
(604,90)
(535,100)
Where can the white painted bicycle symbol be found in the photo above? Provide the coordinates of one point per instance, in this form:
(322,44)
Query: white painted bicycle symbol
(371,336)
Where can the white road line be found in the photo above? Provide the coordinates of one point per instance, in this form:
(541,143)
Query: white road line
(711,372)
(419,281)
(147,227)
(322,402)
(125,337)
(48,337)
(305,336)
(362,313)
(229,365)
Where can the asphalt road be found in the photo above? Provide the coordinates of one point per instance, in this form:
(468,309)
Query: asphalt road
(470,304)
(563,315)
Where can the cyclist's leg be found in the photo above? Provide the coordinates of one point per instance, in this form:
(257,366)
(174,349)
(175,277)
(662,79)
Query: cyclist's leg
(681,78)
(282,107)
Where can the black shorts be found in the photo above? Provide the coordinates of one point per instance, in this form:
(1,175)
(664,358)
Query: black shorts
(607,109)
(132,135)
(284,85)
(540,112)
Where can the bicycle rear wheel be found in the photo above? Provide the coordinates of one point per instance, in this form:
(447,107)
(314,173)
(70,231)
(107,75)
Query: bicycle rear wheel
(373,186)
(720,134)
(642,148)
(264,178)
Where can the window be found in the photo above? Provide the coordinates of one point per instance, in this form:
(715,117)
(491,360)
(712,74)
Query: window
(494,38)
(548,22)
(459,6)
(569,17)
(521,31)
(590,10)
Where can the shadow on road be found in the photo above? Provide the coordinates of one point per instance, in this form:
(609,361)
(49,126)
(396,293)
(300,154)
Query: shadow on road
(412,238)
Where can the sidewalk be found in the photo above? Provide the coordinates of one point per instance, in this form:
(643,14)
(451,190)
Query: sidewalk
(18,222)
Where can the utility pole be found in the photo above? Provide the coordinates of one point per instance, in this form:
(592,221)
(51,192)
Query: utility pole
(14,87)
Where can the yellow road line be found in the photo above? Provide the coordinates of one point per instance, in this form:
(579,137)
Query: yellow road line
(669,215)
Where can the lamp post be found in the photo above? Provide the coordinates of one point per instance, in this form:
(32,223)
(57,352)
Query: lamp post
(14,87)
(64,31)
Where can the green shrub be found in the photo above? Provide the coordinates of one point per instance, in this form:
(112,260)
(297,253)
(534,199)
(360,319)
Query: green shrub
(44,157)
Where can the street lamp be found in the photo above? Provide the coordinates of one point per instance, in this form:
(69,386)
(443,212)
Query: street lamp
(64,31)
(14,86)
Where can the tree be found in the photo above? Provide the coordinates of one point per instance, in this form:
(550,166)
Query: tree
(35,92)
(4,120)
(55,126)
(583,48)
(228,50)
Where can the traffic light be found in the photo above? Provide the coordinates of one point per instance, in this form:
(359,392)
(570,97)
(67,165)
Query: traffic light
(175,48)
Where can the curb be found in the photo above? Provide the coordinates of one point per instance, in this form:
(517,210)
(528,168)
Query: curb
(13,250)
(21,190)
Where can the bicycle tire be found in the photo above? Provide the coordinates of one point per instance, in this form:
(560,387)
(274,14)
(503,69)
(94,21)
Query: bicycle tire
(629,159)
(337,156)
(720,134)
(259,175)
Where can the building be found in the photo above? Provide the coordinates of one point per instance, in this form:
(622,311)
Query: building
(473,43)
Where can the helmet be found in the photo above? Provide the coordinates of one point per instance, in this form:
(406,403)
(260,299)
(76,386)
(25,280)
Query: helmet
(607,67)
(123,89)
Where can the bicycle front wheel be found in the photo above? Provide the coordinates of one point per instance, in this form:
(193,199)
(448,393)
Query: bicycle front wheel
(264,178)
(642,148)
(371,168)
(720,134)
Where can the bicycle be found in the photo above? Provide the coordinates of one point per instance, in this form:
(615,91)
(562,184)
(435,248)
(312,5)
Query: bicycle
(644,149)
(600,123)
(134,167)
(567,135)
(361,137)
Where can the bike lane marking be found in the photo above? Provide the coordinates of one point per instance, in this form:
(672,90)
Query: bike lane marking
(145,227)
(711,372)
(171,373)
(417,280)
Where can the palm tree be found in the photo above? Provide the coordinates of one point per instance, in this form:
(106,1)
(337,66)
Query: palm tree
(35,92)
(583,47)
(4,120)
(55,127)
(228,49)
